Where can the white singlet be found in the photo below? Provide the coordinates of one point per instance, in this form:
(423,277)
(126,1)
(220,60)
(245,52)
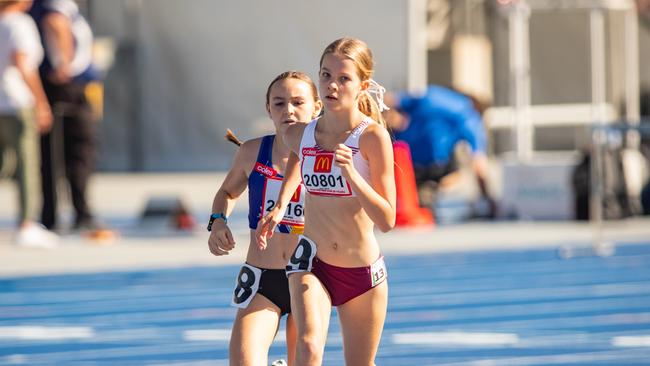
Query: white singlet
(319,174)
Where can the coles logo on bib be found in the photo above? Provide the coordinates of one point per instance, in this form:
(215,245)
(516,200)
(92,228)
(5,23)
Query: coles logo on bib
(310,151)
(265,170)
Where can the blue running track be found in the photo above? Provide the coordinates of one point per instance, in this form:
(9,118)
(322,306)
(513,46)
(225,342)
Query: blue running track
(523,307)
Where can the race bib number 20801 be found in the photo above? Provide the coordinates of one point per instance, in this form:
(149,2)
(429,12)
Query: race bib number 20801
(322,177)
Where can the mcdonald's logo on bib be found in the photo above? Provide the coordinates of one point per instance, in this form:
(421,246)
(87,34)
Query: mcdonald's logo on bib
(323,163)
(296,195)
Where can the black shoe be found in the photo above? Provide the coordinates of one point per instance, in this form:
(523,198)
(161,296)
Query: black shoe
(87,224)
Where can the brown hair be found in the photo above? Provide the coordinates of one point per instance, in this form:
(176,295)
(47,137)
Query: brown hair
(230,136)
(359,52)
(292,75)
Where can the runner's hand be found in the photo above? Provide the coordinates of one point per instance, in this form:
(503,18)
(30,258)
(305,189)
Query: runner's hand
(266,226)
(221,241)
(343,159)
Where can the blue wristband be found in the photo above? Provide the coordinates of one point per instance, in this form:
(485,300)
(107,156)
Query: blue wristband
(215,216)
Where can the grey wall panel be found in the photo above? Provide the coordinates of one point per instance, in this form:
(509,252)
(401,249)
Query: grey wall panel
(202,66)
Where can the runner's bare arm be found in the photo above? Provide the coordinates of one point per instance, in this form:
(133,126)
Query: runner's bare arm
(221,240)
(378,197)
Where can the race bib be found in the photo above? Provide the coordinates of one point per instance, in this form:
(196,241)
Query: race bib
(248,282)
(378,271)
(294,215)
(302,258)
(321,177)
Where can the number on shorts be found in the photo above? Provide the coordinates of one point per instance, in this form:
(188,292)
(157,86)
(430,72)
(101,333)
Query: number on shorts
(301,257)
(245,283)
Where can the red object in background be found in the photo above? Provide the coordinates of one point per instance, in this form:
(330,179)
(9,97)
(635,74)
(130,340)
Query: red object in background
(184,221)
(409,212)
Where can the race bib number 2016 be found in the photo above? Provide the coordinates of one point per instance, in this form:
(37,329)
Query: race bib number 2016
(294,214)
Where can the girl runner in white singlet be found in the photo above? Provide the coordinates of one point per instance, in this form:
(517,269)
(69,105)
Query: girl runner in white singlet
(345,160)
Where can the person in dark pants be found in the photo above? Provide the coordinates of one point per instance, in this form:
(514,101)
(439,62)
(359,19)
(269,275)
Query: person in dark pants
(79,152)
(66,71)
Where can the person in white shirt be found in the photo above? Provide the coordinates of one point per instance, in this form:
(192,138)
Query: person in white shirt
(24,112)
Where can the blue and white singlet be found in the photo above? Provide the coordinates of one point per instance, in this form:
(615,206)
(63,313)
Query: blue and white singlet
(264,184)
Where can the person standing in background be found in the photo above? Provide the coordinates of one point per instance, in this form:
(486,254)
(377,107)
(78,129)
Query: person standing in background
(66,70)
(24,112)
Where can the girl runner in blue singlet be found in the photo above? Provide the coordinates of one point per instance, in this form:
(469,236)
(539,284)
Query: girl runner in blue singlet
(261,291)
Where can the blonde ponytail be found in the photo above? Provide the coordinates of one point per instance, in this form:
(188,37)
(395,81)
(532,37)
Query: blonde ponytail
(369,107)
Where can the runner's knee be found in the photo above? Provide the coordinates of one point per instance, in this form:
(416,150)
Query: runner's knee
(309,351)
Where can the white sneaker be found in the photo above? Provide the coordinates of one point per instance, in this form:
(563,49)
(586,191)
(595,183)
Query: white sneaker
(36,236)
(279,363)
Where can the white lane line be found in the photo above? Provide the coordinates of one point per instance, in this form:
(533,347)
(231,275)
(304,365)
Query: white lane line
(456,338)
(207,335)
(201,335)
(45,333)
(631,341)
(616,357)
(155,352)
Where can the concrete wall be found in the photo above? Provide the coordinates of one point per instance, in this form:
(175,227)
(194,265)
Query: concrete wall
(187,70)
